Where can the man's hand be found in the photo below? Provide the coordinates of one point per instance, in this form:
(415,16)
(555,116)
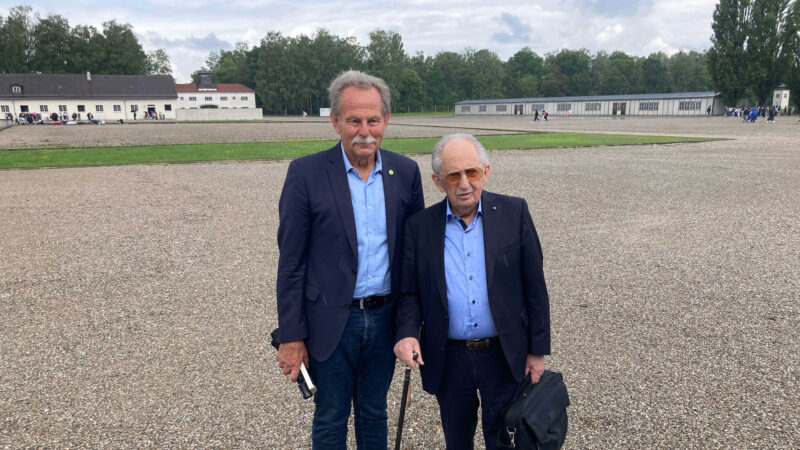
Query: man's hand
(404,350)
(290,354)
(534,366)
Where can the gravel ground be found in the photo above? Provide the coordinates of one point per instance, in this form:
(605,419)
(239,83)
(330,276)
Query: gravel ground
(135,301)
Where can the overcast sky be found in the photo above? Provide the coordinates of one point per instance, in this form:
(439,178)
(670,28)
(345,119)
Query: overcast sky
(189,30)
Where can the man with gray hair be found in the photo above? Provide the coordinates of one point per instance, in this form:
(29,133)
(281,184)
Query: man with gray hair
(342,214)
(473,282)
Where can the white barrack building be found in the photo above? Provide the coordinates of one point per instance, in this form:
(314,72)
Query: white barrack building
(672,104)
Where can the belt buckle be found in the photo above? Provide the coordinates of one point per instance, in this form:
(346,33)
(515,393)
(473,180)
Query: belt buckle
(476,344)
(361,302)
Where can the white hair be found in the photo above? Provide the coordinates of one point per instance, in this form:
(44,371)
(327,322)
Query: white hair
(436,154)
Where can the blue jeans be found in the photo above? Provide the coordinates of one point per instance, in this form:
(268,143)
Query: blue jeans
(359,371)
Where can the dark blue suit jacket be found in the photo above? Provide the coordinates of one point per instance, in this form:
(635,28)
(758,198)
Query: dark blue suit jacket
(318,248)
(518,296)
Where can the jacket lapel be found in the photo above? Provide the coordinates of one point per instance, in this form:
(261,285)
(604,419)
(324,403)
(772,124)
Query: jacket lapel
(436,241)
(492,229)
(341,192)
(391,202)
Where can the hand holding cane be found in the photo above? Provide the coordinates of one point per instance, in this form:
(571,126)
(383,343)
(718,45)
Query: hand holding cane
(403,402)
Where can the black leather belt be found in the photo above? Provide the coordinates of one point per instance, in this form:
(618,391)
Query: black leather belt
(476,344)
(371,302)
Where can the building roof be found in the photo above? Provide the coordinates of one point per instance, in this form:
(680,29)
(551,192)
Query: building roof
(71,86)
(221,87)
(599,98)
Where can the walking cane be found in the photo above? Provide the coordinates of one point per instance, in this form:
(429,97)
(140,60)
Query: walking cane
(403,402)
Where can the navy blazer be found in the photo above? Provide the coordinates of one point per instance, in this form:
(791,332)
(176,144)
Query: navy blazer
(518,296)
(318,259)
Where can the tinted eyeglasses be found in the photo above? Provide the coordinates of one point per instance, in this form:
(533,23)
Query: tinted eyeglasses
(473,173)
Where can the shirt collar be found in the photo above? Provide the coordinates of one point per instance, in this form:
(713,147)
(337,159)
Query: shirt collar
(451,215)
(348,167)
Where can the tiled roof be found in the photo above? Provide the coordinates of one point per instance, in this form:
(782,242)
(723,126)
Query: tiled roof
(671,95)
(79,86)
(221,87)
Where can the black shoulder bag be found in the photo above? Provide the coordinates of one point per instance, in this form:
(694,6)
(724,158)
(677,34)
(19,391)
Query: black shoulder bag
(536,417)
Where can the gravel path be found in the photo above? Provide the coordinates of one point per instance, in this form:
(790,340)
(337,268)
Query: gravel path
(135,301)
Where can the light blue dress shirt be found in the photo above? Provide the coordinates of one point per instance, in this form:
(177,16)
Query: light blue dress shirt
(465,272)
(369,210)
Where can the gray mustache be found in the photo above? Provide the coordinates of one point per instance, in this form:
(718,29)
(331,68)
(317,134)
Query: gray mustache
(364,140)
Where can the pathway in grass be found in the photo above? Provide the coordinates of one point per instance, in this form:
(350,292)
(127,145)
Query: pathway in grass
(106,156)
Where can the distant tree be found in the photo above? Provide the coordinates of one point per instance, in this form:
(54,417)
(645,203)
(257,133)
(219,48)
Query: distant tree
(51,45)
(123,53)
(157,63)
(768,58)
(655,74)
(689,72)
(569,71)
(387,59)
(793,46)
(727,58)
(523,71)
(16,43)
(87,50)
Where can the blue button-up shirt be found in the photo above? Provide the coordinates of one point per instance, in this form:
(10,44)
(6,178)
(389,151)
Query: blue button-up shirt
(465,271)
(369,210)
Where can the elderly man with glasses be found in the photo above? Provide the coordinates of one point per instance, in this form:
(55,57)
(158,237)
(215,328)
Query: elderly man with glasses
(473,302)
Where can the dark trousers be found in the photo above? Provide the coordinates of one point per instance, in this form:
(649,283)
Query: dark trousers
(466,373)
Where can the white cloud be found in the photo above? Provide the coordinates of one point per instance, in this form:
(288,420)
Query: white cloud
(610,32)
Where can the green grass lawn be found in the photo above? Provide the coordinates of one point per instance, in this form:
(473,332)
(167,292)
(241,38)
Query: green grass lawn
(109,156)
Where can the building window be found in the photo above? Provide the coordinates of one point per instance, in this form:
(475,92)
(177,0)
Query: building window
(537,106)
(482,108)
(98,108)
(167,107)
(62,108)
(208,99)
(500,108)
(42,108)
(134,108)
(593,107)
(465,109)
(689,105)
(192,99)
(244,97)
(4,108)
(117,108)
(223,99)
(16,89)
(23,108)
(563,106)
(81,108)
(181,97)
(648,106)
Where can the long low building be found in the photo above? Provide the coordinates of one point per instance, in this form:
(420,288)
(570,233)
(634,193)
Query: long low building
(672,104)
(124,97)
(106,97)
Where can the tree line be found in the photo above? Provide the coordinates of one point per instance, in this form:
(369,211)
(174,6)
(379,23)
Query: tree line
(290,74)
(32,44)
(755,47)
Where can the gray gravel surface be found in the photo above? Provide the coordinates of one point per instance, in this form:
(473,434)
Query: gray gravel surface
(135,301)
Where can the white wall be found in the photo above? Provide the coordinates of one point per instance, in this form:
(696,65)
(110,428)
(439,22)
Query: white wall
(219,114)
(232,100)
(90,106)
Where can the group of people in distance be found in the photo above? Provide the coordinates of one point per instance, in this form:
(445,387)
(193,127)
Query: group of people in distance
(367,274)
(751,114)
(27,118)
